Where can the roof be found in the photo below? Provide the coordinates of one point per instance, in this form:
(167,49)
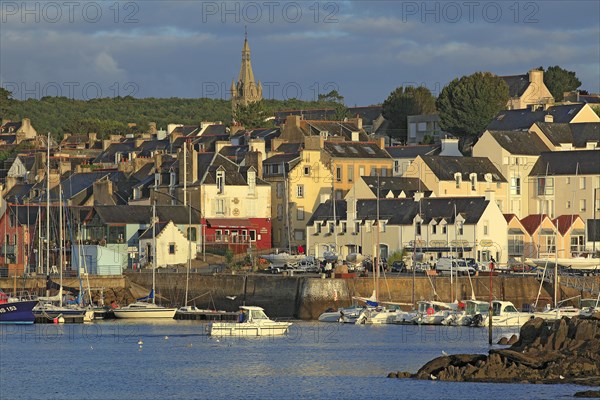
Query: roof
(395,184)
(235,153)
(281,158)
(517,84)
(324,212)
(509,217)
(229,222)
(18,193)
(413,151)
(367,113)
(25,214)
(128,214)
(234,174)
(444,167)
(289,147)
(564,222)
(510,120)
(355,150)
(576,162)
(577,134)
(518,142)
(147,147)
(148,233)
(532,222)
(215,130)
(108,155)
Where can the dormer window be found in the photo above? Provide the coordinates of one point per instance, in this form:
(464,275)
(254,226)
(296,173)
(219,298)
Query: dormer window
(473,179)
(220,182)
(173,179)
(457,179)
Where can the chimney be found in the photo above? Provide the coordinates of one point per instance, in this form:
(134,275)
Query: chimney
(219,144)
(259,146)
(152,128)
(536,77)
(381,143)
(292,121)
(489,195)
(450,148)
(92,137)
(355,136)
(106,144)
(314,142)
(253,159)
(548,118)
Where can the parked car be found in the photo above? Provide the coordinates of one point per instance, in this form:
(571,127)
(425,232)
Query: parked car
(472,263)
(447,265)
(398,266)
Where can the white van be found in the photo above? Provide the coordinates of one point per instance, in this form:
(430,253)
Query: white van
(458,266)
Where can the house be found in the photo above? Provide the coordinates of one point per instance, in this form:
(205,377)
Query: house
(372,187)
(403,156)
(420,127)
(562,136)
(570,230)
(295,129)
(172,247)
(17,228)
(522,120)
(528,89)
(514,153)
(461,226)
(449,176)
(19,131)
(349,160)
(566,183)
(520,245)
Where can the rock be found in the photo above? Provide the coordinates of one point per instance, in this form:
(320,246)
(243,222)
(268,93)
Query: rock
(588,394)
(392,375)
(503,341)
(513,339)
(530,332)
(404,374)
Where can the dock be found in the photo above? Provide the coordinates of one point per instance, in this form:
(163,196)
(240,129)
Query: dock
(69,319)
(207,316)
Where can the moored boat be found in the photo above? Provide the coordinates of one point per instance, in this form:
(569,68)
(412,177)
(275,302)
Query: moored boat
(16,311)
(254,322)
(142,309)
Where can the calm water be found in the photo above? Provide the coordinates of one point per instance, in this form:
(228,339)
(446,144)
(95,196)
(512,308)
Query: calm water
(104,361)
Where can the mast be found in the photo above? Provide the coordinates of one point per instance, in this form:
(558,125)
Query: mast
(287,208)
(377,249)
(189,235)
(335,238)
(60,239)
(48,207)
(154,261)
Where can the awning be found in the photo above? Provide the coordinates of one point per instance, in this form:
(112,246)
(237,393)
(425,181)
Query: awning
(228,223)
(431,249)
(578,232)
(546,231)
(515,231)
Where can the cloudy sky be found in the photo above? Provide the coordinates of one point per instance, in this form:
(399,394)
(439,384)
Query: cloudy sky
(299,49)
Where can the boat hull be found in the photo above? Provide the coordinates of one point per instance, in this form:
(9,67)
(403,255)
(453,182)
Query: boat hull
(248,329)
(17,312)
(145,313)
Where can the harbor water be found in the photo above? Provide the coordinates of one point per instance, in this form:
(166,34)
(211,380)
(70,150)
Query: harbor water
(177,360)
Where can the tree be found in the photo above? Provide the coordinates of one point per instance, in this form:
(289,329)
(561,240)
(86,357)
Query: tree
(5,94)
(403,102)
(252,115)
(559,80)
(333,96)
(467,105)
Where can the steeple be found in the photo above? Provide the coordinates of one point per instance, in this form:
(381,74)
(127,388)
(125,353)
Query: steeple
(246,90)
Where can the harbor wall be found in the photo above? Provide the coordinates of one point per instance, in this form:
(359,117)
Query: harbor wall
(307,297)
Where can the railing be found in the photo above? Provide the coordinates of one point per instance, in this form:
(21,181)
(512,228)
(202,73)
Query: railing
(582,283)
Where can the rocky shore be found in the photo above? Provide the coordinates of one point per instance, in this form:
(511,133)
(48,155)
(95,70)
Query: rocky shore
(564,351)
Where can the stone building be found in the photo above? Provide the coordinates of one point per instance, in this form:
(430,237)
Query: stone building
(246,90)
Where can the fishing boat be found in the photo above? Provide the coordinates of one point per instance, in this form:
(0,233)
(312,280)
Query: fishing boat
(341,314)
(16,311)
(146,307)
(433,312)
(254,322)
(506,314)
(583,262)
(282,258)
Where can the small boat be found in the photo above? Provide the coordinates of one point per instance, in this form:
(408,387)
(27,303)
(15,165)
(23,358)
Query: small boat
(255,323)
(143,309)
(433,312)
(47,310)
(506,314)
(583,262)
(355,258)
(589,306)
(553,314)
(342,314)
(16,311)
(379,315)
(195,313)
(474,313)
(282,258)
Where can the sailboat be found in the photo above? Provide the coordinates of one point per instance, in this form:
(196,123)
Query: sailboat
(146,307)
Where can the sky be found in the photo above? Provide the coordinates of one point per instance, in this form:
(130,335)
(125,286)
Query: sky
(362,49)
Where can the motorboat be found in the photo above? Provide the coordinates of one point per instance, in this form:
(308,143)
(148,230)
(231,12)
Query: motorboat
(194,313)
(331,315)
(379,315)
(406,317)
(553,314)
(506,314)
(584,262)
(589,306)
(433,312)
(254,322)
(51,311)
(16,311)
(282,258)
(142,309)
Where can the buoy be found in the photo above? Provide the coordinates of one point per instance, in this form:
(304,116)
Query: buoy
(166,338)
(140,342)
(430,311)
(55,320)
(61,320)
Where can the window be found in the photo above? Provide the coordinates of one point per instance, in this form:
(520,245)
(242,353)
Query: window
(547,244)
(545,186)
(357,227)
(218,236)
(373,171)
(220,182)
(577,244)
(434,229)
(473,179)
(300,191)
(279,211)
(361,171)
(338,174)
(298,234)
(444,229)
(515,186)
(383,226)
(331,227)
(300,213)
(457,179)
(568,205)
(171,248)
(307,170)
(418,228)
(582,183)
(396,166)
(192,235)
(252,235)
(279,190)
(220,206)
(485,228)
(515,245)
(582,205)
(460,229)
(344,227)
(350,173)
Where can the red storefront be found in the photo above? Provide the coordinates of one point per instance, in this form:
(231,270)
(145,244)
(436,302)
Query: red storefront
(238,234)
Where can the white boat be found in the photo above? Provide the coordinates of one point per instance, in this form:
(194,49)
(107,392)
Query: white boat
(558,312)
(255,323)
(433,312)
(406,317)
(379,316)
(142,309)
(589,306)
(355,258)
(282,258)
(585,261)
(506,314)
(331,315)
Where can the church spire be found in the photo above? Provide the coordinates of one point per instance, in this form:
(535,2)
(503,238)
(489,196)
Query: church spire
(246,89)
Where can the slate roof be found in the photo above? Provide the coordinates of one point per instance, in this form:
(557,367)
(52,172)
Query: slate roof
(577,134)
(523,143)
(215,130)
(186,130)
(355,150)
(235,153)
(335,128)
(367,113)
(576,162)
(517,84)
(324,212)
(18,193)
(234,174)
(413,151)
(148,233)
(128,214)
(149,146)
(108,155)
(316,114)
(444,167)
(11,127)
(291,148)
(83,182)
(510,120)
(395,184)
(281,158)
